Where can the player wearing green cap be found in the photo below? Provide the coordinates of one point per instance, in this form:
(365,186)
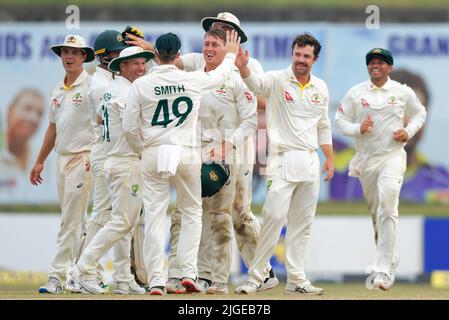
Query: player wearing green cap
(381,115)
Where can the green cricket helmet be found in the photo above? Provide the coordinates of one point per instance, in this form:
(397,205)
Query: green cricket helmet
(213,176)
(107,41)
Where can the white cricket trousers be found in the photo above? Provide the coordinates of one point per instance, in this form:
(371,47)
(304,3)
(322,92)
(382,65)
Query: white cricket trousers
(229,208)
(246,224)
(74,190)
(294,202)
(101,200)
(381,180)
(101,214)
(123,175)
(156,199)
(101,210)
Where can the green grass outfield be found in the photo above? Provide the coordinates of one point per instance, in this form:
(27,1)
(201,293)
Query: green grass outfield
(333,291)
(330,208)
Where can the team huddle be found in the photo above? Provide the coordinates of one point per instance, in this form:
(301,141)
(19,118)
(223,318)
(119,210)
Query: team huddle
(150,119)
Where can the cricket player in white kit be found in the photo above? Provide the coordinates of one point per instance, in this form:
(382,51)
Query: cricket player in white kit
(227,119)
(382,115)
(71,134)
(160,118)
(107,46)
(123,175)
(246,225)
(298,123)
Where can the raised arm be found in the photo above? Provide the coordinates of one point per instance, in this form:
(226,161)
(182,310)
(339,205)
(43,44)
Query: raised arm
(259,84)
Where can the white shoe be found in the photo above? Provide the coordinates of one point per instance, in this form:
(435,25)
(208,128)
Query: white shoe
(269,283)
(383,281)
(129,288)
(157,291)
(135,288)
(174,285)
(204,284)
(103,285)
(369,282)
(395,264)
(91,286)
(191,285)
(53,285)
(73,287)
(218,288)
(248,287)
(308,289)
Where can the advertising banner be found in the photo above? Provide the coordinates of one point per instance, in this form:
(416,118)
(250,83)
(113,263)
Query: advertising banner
(29,70)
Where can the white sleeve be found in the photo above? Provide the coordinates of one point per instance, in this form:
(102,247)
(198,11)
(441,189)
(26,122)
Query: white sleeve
(131,120)
(260,84)
(324,124)
(247,112)
(345,118)
(416,112)
(255,66)
(192,61)
(95,100)
(52,113)
(207,81)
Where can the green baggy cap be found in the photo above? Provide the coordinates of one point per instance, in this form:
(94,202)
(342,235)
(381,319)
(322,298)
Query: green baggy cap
(380,53)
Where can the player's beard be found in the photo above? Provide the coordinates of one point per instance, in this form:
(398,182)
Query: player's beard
(301,69)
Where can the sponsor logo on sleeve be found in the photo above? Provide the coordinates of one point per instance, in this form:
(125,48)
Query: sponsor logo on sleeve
(249,96)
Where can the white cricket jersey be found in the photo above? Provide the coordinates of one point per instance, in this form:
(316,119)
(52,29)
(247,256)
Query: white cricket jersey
(115,143)
(387,107)
(297,118)
(70,112)
(162,106)
(195,61)
(101,80)
(228,113)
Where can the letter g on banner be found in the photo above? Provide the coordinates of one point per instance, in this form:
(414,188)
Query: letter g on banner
(73,20)
(373,20)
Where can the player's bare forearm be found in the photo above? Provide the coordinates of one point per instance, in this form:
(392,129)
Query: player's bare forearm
(48,144)
(137,41)
(245,72)
(261,102)
(241,62)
